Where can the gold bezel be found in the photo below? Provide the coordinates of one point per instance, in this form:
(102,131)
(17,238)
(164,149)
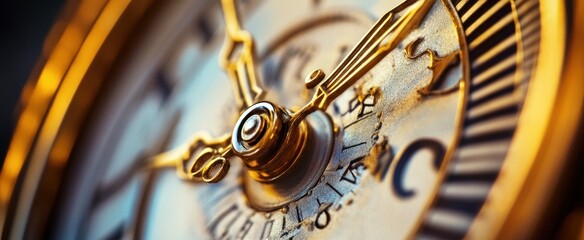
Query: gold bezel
(80,50)
(54,108)
(546,130)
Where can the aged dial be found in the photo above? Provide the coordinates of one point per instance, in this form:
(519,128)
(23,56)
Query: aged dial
(295,120)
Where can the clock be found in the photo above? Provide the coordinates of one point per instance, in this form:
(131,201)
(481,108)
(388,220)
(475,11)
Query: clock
(310,119)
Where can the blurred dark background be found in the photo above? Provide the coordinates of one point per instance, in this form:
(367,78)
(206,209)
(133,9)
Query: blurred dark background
(24,25)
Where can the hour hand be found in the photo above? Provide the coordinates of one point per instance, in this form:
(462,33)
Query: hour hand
(375,45)
(200,159)
(237,58)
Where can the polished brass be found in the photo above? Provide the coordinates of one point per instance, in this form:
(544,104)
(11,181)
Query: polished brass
(274,132)
(303,165)
(289,157)
(272,154)
(366,54)
(314,78)
(211,164)
(238,58)
(201,158)
(438,65)
(252,129)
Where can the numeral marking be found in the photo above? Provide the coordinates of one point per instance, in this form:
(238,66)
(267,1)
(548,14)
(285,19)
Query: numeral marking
(334,189)
(299,215)
(267,230)
(245,228)
(438,150)
(352,146)
(351,173)
(234,211)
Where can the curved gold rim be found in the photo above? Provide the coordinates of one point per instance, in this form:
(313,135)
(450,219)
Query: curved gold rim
(537,155)
(545,133)
(40,140)
(462,104)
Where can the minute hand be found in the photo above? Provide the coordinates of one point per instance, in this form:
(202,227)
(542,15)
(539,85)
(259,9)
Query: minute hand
(239,65)
(366,54)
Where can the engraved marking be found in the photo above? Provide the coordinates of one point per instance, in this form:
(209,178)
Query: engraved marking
(496,72)
(245,228)
(222,216)
(352,146)
(334,189)
(323,216)
(267,230)
(438,65)
(505,48)
(283,222)
(350,174)
(363,99)
(459,4)
(438,150)
(299,215)
(358,120)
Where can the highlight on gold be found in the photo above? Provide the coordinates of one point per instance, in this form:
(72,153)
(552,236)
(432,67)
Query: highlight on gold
(308,119)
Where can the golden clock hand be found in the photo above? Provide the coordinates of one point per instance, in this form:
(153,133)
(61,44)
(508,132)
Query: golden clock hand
(366,54)
(203,158)
(200,159)
(237,58)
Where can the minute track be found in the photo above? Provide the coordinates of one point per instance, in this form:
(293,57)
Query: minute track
(490,87)
(493,105)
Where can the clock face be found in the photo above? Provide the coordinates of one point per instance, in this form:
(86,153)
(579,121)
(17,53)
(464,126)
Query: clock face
(214,123)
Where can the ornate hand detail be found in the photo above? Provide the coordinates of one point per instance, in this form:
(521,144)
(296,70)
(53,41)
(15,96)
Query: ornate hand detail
(266,137)
(200,159)
(366,54)
(237,58)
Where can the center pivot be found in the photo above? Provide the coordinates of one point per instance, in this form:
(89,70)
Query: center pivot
(283,160)
(265,141)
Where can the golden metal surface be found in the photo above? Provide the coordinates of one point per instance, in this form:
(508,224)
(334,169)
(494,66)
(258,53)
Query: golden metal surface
(201,158)
(41,139)
(237,58)
(366,54)
(317,172)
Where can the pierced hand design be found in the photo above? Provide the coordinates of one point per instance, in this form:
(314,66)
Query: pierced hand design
(265,134)
(373,47)
(200,159)
(238,59)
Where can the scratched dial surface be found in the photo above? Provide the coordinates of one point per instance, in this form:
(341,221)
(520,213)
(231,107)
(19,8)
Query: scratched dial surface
(419,140)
